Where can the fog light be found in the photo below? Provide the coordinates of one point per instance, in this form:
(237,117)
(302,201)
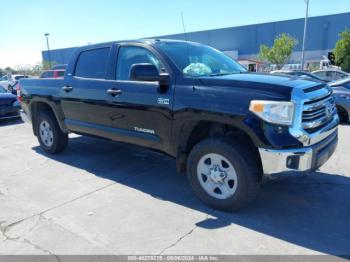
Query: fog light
(293,162)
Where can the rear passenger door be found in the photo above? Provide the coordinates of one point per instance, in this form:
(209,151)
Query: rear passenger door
(84,96)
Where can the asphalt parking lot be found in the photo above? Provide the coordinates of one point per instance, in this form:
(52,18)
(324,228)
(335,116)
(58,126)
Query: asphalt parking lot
(107,198)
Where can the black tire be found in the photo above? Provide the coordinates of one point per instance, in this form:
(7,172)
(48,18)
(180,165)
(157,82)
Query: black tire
(245,163)
(59,138)
(343,115)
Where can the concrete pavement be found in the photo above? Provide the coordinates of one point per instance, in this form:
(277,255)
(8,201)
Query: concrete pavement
(107,198)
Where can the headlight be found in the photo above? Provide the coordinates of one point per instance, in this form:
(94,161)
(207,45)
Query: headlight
(274,112)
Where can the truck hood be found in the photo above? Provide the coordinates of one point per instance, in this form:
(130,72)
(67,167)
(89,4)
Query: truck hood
(276,85)
(7,99)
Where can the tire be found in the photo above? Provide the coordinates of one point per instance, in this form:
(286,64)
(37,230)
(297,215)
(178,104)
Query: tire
(50,135)
(343,115)
(238,190)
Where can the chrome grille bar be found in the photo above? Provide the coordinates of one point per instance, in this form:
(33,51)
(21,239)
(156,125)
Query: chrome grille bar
(317,112)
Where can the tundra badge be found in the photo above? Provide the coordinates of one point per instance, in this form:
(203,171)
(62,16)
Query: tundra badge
(163,101)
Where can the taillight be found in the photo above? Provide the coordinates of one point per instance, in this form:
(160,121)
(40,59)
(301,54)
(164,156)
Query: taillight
(19,93)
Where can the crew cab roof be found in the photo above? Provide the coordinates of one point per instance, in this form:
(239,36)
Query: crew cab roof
(150,41)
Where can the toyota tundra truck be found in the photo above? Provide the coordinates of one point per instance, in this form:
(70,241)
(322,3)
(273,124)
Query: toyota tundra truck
(226,128)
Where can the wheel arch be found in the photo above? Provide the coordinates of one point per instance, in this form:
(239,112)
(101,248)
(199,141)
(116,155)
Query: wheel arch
(345,113)
(193,132)
(38,106)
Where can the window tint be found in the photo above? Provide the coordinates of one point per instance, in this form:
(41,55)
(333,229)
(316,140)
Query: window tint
(20,77)
(128,56)
(47,74)
(321,73)
(57,67)
(93,63)
(340,75)
(60,73)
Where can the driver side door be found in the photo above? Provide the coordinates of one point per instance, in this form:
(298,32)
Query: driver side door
(142,112)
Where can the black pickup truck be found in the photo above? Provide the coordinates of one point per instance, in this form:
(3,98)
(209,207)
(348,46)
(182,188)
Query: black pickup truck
(227,128)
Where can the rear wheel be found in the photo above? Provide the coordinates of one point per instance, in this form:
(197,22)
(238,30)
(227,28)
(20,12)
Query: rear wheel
(50,135)
(224,174)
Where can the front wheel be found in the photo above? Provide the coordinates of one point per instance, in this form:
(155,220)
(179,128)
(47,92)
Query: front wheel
(50,135)
(223,173)
(343,115)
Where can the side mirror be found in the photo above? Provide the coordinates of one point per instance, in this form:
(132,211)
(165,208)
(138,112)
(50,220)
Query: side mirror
(144,72)
(149,73)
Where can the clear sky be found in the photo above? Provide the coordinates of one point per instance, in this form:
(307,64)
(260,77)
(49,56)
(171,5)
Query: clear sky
(79,22)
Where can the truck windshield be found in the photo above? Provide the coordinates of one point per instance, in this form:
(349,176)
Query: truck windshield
(196,60)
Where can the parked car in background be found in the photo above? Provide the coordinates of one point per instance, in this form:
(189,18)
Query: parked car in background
(13,89)
(59,67)
(8,81)
(341,93)
(331,74)
(302,74)
(9,105)
(52,74)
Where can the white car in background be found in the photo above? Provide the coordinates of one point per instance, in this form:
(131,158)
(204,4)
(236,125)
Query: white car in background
(331,74)
(8,81)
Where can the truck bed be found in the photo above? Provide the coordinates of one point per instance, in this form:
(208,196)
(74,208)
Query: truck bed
(45,87)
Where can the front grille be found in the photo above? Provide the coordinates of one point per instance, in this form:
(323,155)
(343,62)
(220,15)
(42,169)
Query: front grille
(318,112)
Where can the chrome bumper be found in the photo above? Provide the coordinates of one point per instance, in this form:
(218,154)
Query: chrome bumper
(298,160)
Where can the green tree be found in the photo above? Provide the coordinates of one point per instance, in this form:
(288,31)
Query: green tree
(342,51)
(280,52)
(46,65)
(9,70)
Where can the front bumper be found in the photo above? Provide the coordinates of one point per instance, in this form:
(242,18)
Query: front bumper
(300,159)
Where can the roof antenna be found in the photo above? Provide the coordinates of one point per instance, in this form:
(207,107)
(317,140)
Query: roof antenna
(188,48)
(183,26)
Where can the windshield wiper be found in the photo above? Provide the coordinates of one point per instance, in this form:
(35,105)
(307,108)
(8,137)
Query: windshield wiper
(221,74)
(225,74)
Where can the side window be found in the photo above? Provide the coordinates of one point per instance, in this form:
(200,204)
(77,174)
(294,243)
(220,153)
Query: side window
(340,75)
(60,74)
(130,55)
(321,74)
(93,63)
(19,77)
(45,75)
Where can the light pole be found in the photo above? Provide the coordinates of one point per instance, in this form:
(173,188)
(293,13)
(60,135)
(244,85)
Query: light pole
(305,33)
(48,47)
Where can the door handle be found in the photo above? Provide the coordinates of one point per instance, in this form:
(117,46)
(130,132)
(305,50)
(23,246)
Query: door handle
(114,92)
(67,89)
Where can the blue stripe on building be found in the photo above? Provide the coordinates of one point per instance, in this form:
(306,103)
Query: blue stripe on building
(323,33)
